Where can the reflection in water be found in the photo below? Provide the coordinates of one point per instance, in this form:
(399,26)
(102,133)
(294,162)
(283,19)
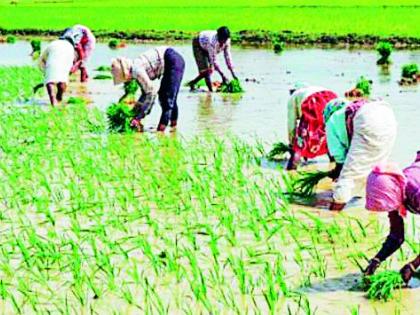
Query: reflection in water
(384,73)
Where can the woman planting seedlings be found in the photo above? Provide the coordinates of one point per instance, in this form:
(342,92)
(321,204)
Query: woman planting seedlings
(161,62)
(360,134)
(206,46)
(306,128)
(389,189)
(84,43)
(56,62)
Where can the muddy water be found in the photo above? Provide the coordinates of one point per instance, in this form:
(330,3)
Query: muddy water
(260,113)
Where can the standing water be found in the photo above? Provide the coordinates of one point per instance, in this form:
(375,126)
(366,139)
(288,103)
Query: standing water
(261,114)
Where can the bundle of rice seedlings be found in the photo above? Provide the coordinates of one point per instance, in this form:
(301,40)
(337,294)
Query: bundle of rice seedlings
(233,86)
(119,117)
(11,39)
(131,87)
(278,46)
(410,74)
(409,71)
(36,45)
(278,151)
(114,43)
(384,49)
(130,90)
(103,69)
(364,85)
(381,286)
(76,101)
(304,184)
(102,77)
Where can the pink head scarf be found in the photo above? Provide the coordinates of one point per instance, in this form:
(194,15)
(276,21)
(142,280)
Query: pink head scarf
(385,189)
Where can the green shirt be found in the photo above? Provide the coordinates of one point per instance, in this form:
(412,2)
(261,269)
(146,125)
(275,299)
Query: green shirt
(337,137)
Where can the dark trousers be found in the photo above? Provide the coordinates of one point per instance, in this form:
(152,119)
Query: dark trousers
(170,85)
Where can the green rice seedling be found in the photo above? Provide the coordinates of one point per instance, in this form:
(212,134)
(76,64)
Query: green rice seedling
(11,39)
(271,294)
(18,82)
(355,310)
(364,85)
(103,69)
(278,46)
(119,117)
(238,267)
(113,43)
(409,71)
(384,49)
(381,286)
(102,77)
(36,45)
(278,151)
(130,89)
(304,184)
(233,86)
(410,74)
(76,101)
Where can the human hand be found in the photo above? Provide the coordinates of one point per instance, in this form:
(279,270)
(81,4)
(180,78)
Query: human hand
(371,268)
(136,124)
(337,206)
(407,273)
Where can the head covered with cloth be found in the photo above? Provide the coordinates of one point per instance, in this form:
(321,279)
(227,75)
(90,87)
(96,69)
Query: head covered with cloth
(121,70)
(385,189)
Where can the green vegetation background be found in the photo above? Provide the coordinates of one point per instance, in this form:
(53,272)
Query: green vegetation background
(314,17)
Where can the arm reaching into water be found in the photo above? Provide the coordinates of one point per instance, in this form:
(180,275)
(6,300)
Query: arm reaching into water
(392,243)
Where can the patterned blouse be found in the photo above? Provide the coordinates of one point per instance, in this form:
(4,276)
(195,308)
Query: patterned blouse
(209,42)
(148,67)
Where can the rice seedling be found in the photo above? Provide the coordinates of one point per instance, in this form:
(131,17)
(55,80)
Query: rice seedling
(304,183)
(382,285)
(76,101)
(36,48)
(103,69)
(11,39)
(278,46)
(278,151)
(233,86)
(364,85)
(116,43)
(130,90)
(384,49)
(102,77)
(120,116)
(410,74)
(18,82)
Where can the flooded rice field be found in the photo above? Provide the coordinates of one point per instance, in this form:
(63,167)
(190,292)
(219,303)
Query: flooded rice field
(261,112)
(260,115)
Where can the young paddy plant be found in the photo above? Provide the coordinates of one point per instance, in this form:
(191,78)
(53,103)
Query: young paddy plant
(384,49)
(382,285)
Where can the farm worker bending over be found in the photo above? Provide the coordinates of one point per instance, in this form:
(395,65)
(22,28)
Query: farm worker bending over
(84,42)
(306,128)
(206,46)
(56,62)
(161,62)
(360,134)
(389,189)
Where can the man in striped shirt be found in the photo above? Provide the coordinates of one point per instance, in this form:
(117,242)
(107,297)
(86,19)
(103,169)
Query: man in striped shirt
(206,46)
